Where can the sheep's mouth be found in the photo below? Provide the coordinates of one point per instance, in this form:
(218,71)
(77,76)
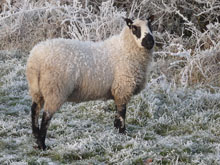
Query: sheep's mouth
(148,42)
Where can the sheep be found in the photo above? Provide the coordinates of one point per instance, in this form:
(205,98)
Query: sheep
(68,70)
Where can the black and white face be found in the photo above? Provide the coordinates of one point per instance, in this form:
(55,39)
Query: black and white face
(142,32)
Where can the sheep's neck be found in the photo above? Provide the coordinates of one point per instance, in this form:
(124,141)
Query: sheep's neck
(132,50)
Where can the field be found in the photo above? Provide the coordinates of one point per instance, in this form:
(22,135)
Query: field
(174,120)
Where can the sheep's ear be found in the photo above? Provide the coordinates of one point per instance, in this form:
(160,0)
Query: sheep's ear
(151,18)
(129,22)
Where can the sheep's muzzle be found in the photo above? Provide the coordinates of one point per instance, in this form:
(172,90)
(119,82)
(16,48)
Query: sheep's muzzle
(148,41)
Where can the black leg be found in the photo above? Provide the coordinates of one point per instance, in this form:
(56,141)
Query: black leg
(34,117)
(43,130)
(119,122)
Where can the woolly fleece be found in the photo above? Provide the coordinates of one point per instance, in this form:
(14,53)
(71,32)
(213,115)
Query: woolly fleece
(60,70)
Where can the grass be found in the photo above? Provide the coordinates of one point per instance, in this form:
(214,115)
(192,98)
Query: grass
(164,124)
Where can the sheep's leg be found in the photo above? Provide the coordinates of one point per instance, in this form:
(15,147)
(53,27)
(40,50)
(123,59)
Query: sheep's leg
(43,130)
(35,109)
(122,90)
(119,122)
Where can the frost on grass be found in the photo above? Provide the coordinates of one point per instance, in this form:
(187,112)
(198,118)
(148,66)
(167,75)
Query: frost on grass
(165,123)
(175,120)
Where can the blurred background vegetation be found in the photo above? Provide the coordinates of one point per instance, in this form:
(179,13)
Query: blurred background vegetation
(187,32)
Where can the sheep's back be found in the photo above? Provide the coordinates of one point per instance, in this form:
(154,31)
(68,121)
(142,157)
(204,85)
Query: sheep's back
(81,69)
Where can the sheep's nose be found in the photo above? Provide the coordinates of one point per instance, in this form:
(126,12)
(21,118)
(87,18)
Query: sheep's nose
(148,41)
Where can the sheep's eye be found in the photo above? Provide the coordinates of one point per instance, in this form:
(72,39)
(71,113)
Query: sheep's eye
(136,30)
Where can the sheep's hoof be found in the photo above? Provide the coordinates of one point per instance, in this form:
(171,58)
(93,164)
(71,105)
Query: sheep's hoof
(118,125)
(122,130)
(41,145)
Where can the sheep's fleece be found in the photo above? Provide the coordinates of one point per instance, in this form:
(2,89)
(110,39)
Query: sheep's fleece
(65,69)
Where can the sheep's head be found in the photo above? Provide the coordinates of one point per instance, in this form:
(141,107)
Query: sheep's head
(142,32)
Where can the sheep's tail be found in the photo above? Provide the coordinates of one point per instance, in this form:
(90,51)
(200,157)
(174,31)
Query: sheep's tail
(33,77)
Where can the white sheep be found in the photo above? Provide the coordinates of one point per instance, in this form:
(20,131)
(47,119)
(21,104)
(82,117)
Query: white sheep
(61,70)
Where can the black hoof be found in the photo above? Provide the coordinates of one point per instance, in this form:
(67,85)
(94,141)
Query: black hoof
(41,145)
(117,123)
(122,130)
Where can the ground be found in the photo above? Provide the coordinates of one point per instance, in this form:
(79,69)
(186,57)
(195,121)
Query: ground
(165,124)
